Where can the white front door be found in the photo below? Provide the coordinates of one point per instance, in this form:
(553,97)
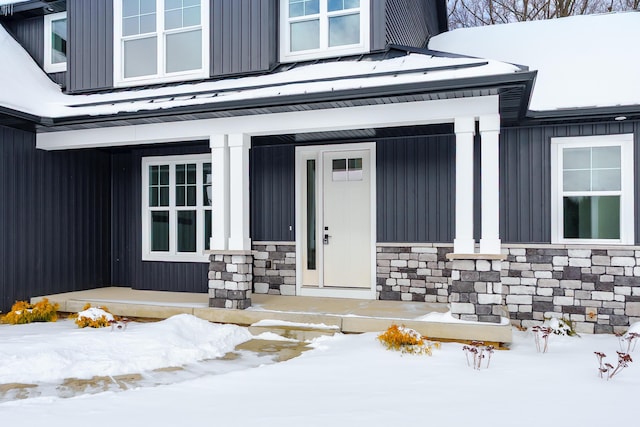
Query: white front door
(336,244)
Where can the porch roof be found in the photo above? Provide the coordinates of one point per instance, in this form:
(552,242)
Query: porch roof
(398,75)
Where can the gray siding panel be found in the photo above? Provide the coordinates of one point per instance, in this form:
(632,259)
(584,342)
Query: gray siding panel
(128,269)
(378,39)
(272,193)
(54,219)
(525,177)
(411,22)
(243,36)
(30,34)
(90,53)
(415,189)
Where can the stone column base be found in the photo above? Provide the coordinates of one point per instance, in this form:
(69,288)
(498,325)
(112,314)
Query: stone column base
(230,279)
(475,292)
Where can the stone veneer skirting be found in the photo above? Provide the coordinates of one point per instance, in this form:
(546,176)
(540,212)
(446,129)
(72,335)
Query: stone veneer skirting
(598,289)
(274,268)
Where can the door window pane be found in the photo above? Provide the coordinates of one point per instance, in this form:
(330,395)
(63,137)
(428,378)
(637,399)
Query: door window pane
(184,51)
(206,179)
(592,217)
(186,231)
(140,57)
(160,231)
(305,35)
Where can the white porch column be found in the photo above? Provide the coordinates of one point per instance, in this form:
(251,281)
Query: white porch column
(219,192)
(490,181)
(463,242)
(239,145)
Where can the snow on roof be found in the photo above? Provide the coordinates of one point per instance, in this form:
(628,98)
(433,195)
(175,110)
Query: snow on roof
(582,61)
(25,87)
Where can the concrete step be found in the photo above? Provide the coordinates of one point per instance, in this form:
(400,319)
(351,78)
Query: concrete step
(293,330)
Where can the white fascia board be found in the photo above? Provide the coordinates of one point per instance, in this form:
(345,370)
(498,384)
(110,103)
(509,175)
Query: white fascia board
(361,117)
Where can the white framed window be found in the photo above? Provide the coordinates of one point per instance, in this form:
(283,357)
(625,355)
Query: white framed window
(55,42)
(312,29)
(592,182)
(176,208)
(160,41)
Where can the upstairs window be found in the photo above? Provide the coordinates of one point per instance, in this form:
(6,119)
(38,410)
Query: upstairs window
(160,40)
(55,42)
(592,182)
(311,29)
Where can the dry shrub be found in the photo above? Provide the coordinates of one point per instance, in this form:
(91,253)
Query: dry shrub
(23,312)
(94,317)
(406,340)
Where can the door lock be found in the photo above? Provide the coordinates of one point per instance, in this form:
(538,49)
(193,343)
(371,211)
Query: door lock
(326,235)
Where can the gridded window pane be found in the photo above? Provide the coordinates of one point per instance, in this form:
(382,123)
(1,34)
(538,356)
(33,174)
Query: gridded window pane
(207,228)
(173,19)
(172,4)
(159,185)
(184,51)
(160,231)
(59,41)
(576,158)
(147,6)
(592,217)
(186,231)
(140,57)
(131,7)
(576,180)
(303,7)
(606,180)
(191,16)
(606,157)
(344,30)
(305,35)
(130,26)
(334,5)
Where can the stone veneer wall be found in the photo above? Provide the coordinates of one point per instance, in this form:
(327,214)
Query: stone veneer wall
(413,273)
(598,289)
(274,268)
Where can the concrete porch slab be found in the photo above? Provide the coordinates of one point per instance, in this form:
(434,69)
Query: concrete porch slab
(348,315)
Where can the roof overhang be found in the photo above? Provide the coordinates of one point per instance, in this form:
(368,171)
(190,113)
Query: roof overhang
(514,91)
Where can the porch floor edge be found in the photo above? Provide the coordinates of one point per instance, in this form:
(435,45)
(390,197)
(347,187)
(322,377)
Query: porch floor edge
(348,315)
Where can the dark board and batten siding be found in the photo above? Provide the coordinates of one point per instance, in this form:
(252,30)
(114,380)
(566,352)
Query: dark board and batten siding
(30,34)
(415,190)
(415,179)
(54,219)
(411,22)
(90,52)
(272,193)
(525,177)
(128,269)
(243,36)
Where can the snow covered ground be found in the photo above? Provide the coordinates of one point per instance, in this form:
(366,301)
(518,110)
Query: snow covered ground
(346,380)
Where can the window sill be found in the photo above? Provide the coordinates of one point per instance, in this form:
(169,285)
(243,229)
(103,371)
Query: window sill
(140,81)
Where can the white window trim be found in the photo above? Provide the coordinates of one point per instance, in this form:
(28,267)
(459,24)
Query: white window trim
(50,67)
(173,255)
(627,195)
(161,77)
(324,51)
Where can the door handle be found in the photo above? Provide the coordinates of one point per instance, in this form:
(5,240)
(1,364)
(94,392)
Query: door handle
(326,239)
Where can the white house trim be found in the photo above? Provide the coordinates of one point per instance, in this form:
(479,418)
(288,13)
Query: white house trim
(361,117)
(239,239)
(220,191)
(465,128)
(490,184)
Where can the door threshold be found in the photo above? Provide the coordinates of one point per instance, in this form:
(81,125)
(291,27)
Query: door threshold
(336,292)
